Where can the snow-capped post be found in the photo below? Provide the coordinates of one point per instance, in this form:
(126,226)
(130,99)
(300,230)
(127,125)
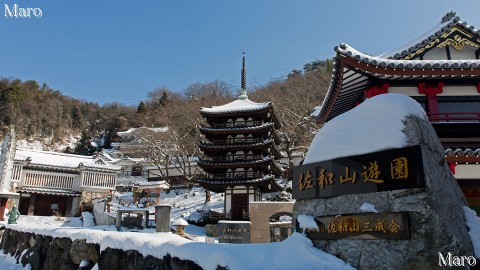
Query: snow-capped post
(377,186)
(162,217)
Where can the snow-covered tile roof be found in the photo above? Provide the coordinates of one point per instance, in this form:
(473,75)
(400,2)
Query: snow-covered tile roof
(155,184)
(447,22)
(61,160)
(154,129)
(259,127)
(349,51)
(49,191)
(238,105)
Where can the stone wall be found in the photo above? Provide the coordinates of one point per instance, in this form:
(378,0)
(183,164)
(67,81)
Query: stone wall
(260,213)
(45,252)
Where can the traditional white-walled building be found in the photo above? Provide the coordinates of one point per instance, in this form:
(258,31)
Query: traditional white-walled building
(134,140)
(45,182)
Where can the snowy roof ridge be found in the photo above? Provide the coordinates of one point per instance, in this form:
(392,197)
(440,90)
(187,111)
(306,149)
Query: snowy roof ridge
(238,105)
(63,160)
(447,22)
(349,51)
(154,129)
(264,125)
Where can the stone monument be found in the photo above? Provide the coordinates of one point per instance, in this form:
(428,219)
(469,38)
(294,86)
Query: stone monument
(418,205)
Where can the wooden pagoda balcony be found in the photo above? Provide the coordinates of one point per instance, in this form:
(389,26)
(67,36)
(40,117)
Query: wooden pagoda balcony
(233,175)
(237,124)
(455,117)
(237,140)
(230,158)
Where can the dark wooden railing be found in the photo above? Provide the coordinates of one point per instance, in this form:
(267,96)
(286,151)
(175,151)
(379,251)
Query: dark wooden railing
(235,158)
(454,117)
(238,140)
(238,124)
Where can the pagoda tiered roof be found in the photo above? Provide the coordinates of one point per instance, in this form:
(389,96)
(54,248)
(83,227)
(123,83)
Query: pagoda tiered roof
(268,143)
(241,107)
(237,106)
(265,183)
(210,165)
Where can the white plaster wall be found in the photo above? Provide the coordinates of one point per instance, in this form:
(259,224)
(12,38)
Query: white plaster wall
(465,53)
(469,90)
(467,171)
(436,54)
(411,91)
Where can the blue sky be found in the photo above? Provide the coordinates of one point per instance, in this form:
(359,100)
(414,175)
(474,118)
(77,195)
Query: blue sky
(106,51)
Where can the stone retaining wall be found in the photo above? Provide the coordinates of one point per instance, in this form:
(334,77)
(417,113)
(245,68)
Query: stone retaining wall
(45,252)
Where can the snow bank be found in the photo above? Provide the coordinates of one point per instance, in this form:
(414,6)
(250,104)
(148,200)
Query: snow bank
(368,207)
(473,223)
(296,252)
(374,125)
(307,222)
(88,220)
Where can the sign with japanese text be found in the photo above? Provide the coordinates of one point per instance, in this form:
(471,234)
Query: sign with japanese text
(381,171)
(234,233)
(367,226)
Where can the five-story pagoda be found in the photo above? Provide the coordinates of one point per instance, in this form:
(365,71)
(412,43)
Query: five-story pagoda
(240,152)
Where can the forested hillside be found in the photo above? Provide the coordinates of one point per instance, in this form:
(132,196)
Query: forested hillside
(39,112)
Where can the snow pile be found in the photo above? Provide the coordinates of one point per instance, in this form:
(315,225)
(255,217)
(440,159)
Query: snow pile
(296,252)
(373,126)
(473,223)
(285,219)
(88,220)
(368,207)
(307,222)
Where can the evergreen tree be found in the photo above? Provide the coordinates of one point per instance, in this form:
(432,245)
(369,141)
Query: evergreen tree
(85,146)
(77,117)
(141,109)
(164,99)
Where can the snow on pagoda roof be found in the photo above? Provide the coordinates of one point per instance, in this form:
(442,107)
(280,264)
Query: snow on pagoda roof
(131,130)
(447,22)
(238,105)
(61,160)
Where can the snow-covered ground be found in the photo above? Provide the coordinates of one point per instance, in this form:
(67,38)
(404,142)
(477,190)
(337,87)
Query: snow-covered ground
(297,252)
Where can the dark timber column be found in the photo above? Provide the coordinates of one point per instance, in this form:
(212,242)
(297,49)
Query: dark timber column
(3,205)
(31,205)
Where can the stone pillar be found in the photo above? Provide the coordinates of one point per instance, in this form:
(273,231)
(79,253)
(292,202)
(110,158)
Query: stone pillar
(118,220)
(162,218)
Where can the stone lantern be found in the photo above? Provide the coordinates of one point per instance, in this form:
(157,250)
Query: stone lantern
(180,225)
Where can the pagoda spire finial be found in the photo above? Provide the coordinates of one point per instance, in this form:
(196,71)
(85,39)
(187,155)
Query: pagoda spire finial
(243,92)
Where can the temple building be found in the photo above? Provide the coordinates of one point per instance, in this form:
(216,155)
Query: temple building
(43,183)
(240,152)
(440,70)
